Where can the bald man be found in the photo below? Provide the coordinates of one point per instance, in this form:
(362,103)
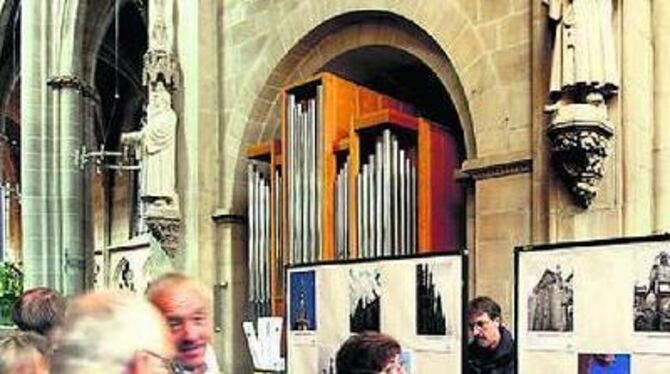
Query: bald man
(186,305)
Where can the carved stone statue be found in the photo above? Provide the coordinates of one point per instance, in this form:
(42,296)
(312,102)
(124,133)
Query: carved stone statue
(583,77)
(156,145)
(584,60)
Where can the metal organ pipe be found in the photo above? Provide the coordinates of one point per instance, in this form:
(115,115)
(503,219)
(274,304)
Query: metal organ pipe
(387,200)
(304,179)
(259,211)
(342,211)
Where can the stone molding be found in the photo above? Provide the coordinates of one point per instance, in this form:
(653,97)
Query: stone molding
(496,167)
(73,82)
(221,216)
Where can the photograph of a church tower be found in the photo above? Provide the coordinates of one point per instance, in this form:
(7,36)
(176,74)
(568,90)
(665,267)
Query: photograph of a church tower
(365,299)
(430,316)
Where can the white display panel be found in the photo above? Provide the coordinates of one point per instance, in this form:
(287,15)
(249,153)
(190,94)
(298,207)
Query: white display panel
(417,300)
(614,295)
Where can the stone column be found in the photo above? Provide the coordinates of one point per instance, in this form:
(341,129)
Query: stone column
(52,183)
(40,256)
(71,185)
(637,122)
(661,35)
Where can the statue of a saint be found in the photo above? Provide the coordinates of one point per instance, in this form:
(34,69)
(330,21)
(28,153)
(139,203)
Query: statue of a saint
(156,145)
(584,61)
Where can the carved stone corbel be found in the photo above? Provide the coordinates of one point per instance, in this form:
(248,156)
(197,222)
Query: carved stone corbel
(579,136)
(166,230)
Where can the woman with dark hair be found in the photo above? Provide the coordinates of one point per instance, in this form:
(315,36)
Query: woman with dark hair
(369,353)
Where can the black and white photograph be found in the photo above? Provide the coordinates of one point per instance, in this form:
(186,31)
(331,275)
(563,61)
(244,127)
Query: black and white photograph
(651,301)
(550,300)
(430,308)
(365,299)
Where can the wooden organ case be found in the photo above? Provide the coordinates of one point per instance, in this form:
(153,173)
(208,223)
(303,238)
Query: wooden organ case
(356,174)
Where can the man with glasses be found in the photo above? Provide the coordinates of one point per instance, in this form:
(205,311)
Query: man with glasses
(492,349)
(112,333)
(186,305)
(369,353)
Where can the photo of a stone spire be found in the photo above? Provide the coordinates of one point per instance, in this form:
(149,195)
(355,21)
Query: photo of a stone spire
(303,313)
(365,299)
(430,316)
(550,302)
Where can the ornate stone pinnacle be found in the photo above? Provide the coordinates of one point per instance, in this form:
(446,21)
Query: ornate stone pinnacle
(160,65)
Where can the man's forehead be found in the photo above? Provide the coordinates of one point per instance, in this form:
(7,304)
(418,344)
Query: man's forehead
(479,316)
(181,298)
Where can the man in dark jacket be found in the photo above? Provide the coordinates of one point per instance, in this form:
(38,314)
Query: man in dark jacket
(492,349)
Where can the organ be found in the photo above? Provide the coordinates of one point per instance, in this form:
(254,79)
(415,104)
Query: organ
(356,174)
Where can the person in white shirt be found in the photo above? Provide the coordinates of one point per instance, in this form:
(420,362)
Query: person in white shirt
(186,306)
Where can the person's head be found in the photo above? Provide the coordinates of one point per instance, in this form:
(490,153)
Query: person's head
(483,317)
(108,332)
(24,353)
(603,359)
(185,303)
(369,353)
(39,310)
(664,258)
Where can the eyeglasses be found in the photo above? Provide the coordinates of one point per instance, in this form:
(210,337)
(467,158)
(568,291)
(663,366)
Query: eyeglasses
(480,324)
(171,366)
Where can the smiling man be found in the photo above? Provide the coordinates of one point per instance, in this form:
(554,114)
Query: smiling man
(185,304)
(492,348)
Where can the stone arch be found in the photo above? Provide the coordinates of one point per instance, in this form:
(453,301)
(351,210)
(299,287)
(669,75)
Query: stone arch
(463,75)
(348,31)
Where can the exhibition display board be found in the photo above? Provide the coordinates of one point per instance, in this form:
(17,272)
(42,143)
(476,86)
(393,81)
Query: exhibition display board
(418,300)
(594,307)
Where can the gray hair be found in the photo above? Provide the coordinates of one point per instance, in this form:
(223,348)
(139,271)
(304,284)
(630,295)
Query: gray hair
(103,332)
(167,283)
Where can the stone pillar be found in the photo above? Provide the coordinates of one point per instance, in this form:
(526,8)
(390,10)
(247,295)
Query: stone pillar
(661,34)
(70,185)
(41,257)
(637,122)
(52,183)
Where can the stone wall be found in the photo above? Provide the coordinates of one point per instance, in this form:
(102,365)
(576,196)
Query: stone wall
(492,57)
(483,60)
